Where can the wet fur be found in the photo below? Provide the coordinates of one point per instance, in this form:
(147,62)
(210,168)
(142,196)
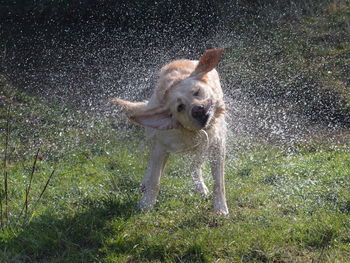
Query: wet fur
(173,132)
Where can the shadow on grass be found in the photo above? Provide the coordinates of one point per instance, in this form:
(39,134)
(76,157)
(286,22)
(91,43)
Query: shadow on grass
(158,253)
(76,238)
(96,234)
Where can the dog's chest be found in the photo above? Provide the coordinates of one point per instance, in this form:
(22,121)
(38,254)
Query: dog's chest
(177,141)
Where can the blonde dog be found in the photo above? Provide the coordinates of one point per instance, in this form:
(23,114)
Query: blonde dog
(186,113)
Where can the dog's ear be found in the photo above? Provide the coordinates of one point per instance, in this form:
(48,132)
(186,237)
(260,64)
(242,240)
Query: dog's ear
(158,118)
(208,62)
(131,108)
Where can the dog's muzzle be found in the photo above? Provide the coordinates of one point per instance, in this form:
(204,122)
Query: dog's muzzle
(200,114)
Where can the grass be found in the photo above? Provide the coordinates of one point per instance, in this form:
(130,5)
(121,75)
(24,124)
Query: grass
(288,203)
(301,65)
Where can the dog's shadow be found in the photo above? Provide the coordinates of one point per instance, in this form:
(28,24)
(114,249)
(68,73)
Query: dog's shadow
(90,236)
(92,233)
(71,238)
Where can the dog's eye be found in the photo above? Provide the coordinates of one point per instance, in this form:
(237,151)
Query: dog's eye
(196,93)
(180,107)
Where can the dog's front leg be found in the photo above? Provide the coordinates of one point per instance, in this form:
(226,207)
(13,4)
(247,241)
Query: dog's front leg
(217,162)
(151,182)
(196,172)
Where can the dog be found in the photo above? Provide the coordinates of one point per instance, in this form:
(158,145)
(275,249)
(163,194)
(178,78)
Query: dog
(186,113)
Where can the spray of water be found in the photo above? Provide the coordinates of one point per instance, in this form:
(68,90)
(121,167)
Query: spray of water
(85,66)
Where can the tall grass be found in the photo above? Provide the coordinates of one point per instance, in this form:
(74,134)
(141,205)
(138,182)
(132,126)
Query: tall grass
(8,217)
(4,215)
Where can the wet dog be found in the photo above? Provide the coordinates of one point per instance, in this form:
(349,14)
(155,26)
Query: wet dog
(186,113)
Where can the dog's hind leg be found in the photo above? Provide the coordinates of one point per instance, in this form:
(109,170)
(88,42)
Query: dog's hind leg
(217,161)
(151,182)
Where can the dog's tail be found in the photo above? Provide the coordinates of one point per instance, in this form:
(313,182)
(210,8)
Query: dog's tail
(131,108)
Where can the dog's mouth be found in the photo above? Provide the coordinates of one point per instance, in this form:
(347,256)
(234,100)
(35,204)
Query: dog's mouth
(202,114)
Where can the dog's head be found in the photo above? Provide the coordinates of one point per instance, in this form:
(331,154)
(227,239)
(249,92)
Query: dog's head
(191,102)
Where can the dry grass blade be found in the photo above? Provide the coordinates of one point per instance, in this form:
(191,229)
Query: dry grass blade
(26,202)
(46,185)
(4,214)
(42,192)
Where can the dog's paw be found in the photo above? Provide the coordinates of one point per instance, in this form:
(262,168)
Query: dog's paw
(144,206)
(221,209)
(147,202)
(201,189)
(222,212)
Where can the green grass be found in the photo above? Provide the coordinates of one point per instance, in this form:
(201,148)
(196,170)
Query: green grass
(301,65)
(288,203)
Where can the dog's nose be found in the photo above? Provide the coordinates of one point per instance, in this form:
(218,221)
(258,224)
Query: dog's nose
(200,114)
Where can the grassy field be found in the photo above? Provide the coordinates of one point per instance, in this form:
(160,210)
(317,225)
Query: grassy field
(72,178)
(288,203)
(301,65)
